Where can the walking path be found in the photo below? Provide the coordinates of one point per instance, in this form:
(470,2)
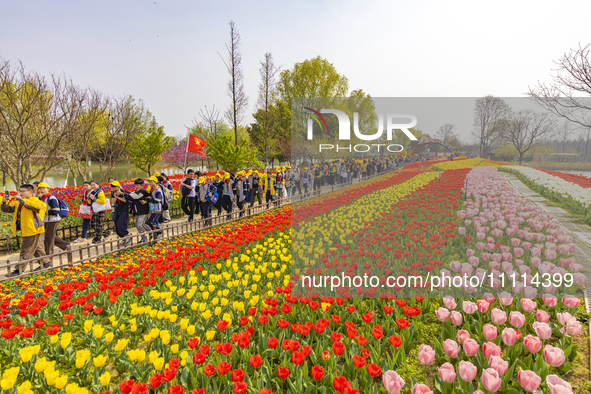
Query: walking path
(84,251)
(581,233)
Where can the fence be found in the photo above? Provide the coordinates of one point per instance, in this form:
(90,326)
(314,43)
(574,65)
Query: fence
(69,258)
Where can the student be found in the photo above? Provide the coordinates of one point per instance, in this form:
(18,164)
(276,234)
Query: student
(256,188)
(219,185)
(240,193)
(120,212)
(165,201)
(85,221)
(52,219)
(156,198)
(187,190)
(96,221)
(227,195)
(269,188)
(29,213)
(289,181)
(141,208)
(169,194)
(205,190)
(305,178)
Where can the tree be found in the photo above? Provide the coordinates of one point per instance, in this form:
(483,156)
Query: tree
(489,113)
(231,157)
(148,147)
(507,152)
(445,132)
(563,95)
(527,129)
(271,142)
(267,71)
(235,113)
(176,154)
(312,78)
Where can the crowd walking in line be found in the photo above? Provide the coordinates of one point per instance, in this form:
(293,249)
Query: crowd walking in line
(37,213)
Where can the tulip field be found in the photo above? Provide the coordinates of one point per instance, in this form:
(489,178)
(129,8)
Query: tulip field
(223,310)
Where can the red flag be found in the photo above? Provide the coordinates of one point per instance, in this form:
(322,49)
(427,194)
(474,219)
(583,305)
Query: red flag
(196,144)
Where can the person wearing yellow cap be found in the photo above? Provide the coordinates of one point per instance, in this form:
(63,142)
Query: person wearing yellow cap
(306,179)
(188,187)
(269,187)
(289,180)
(111,180)
(218,183)
(52,218)
(255,188)
(120,211)
(156,199)
(29,213)
(208,196)
(279,181)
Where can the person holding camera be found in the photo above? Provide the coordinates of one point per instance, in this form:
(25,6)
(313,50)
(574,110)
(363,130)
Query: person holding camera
(52,219)
(29,213)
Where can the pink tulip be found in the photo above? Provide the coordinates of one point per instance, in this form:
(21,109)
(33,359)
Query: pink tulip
(393,383)
(442,314)
(470,347)
(550,254)
(491,380)
(505,299)
(554,356)
(529,380)
(509,336)
(516,319)
(449,302)
(532,344)
(482,306)
(549,300)
(498,364)
(542,316)
(489,331)
(467,371)
(528,305)
(570,301)
(489,349)
(421,389)
(462,230)
(451,348)
(498,316)
(470,252)
(543,330)
(573,327)
(564,318)
(447,373)
(456,318)
(488,298)
(462,335)
(469,307)
(557,385)
(426,354)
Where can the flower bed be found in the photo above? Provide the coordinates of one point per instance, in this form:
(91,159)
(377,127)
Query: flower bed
(212,312)
(581,180)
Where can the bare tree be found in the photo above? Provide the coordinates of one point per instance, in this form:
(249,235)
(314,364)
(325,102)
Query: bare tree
(235,113)
(489,112)
(37,115)
(210,120)
(445,132)
(267,71)
(527,129)
(572,78)
(563,133)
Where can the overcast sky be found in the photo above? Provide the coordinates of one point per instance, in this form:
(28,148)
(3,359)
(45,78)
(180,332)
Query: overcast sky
(166,52)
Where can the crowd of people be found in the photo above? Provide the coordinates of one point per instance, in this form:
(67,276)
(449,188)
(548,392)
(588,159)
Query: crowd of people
(37,213)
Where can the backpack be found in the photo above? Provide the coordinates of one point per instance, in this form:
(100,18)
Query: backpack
(186,191)
(64,210)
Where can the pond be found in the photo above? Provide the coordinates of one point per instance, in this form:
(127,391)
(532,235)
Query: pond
(57,177)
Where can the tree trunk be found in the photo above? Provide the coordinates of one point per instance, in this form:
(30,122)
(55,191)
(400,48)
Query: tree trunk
(520,158)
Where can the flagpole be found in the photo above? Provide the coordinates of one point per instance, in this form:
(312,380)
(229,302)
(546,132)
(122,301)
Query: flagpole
(186,153)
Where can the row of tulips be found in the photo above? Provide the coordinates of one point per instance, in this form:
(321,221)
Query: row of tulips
(216,312)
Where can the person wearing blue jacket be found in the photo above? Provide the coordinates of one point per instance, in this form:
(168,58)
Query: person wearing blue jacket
(156,199)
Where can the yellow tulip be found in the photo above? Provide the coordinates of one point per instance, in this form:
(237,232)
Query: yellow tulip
(61,382)
(109,337)
(105,378)
(99,361)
